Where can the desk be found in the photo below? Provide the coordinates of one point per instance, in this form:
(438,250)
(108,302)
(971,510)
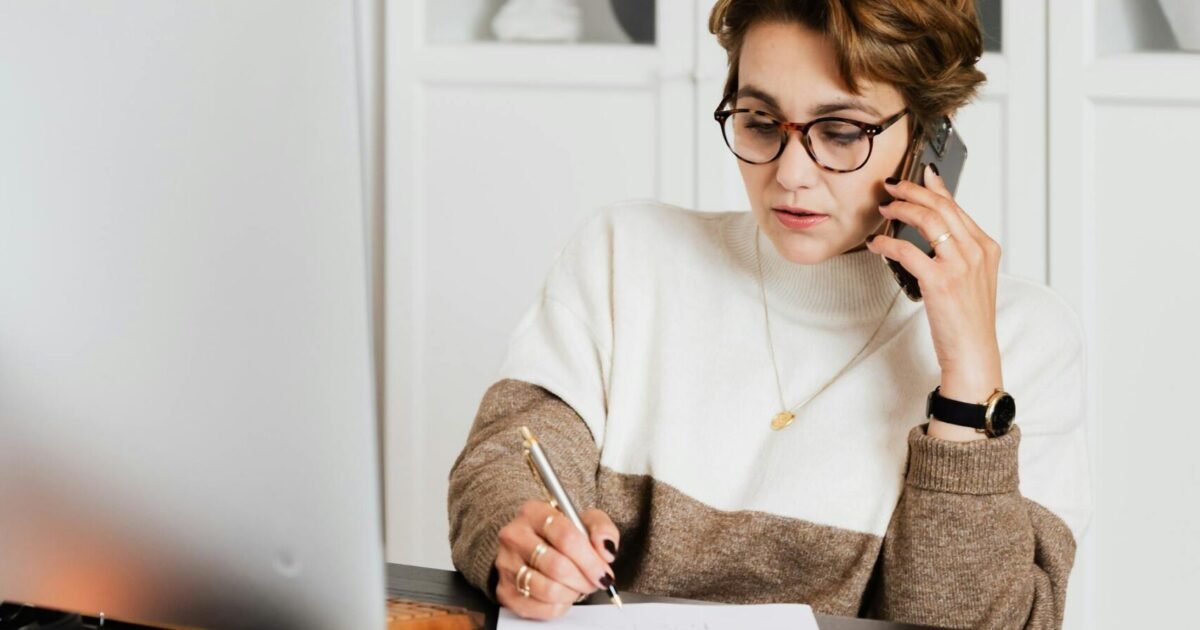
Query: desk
(449,587)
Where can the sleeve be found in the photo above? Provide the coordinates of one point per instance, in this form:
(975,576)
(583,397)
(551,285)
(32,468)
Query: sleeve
(972,544)
(563,343)
(554,380)
(490,479)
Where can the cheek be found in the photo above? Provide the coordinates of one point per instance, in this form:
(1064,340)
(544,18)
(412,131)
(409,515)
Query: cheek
(861,195)
(755,178)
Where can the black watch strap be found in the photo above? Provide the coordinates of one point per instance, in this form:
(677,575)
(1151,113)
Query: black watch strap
(972,415)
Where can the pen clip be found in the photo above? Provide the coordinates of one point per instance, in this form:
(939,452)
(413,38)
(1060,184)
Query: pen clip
(538,476)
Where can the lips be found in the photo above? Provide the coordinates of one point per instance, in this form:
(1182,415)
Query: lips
(800,212)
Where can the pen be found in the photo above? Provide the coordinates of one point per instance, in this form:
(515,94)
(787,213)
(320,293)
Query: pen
(540,465)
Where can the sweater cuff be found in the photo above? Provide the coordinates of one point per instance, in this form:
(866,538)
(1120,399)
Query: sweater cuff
(481,557)
(980,467)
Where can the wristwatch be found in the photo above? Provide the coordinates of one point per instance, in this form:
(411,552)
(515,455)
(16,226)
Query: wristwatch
(993,416)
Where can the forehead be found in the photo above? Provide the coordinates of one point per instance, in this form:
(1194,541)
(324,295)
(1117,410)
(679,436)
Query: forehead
(798,67)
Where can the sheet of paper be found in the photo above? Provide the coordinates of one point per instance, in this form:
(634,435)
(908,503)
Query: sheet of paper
(671,617)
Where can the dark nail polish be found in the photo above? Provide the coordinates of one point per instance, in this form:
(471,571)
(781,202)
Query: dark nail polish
(611,547)
(892,181)
(933,167)
(871,237)
(606,580)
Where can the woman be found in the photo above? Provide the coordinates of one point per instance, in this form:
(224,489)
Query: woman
(739,399)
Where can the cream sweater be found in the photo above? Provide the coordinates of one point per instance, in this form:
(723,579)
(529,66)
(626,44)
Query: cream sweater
(644,368)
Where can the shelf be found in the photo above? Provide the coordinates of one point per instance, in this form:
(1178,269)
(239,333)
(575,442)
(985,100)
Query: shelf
(1144,76)
(1135,26)
(467,21)
(503,63)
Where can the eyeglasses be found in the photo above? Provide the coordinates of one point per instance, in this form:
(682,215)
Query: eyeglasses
(840,145)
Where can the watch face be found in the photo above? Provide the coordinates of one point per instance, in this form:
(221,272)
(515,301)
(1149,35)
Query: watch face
(1003,414)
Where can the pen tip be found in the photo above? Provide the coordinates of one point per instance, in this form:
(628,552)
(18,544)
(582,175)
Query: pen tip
(617,600)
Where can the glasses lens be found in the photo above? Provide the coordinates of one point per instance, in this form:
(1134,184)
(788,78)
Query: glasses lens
(752,137)
(839,145)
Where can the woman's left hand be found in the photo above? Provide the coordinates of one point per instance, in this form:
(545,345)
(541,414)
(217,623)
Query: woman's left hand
(958,286)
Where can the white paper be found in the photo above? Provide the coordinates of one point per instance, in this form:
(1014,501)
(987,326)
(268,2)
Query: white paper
(671,617)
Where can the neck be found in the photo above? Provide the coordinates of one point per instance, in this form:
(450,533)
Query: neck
(854,286)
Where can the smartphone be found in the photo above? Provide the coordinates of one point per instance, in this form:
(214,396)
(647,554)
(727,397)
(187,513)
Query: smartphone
(940,145)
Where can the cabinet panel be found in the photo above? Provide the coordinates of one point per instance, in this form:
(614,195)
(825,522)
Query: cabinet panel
(1144,346)
(505,175)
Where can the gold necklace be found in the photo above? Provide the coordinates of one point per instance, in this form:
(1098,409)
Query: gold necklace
(785,417)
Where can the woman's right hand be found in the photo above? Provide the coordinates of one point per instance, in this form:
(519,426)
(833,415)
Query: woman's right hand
(573,564)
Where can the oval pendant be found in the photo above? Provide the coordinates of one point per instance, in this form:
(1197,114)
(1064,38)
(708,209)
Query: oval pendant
(782,419)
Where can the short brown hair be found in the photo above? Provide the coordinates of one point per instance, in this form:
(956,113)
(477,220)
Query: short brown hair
(926,49)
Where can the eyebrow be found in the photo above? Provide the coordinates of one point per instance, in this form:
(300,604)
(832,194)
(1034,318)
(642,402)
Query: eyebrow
(818,110)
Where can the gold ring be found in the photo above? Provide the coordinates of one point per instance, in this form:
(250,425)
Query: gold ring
(521,573)
(526,588)
(546,524)
(538,551)
(939,240)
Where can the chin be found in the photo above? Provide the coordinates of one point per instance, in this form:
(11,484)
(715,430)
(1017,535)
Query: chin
(803,249)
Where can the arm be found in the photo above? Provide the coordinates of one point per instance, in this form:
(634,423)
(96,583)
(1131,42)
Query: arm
(964,549)
(490,479)
(969,544)
(553,379)
(985,532)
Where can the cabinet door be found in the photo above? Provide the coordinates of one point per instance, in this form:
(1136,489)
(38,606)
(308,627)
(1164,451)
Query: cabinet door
(1124,101)
(496,153)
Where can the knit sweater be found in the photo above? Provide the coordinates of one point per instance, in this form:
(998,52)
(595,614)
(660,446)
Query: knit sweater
(643,367)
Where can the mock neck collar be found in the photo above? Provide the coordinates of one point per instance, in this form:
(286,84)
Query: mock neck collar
(850,288)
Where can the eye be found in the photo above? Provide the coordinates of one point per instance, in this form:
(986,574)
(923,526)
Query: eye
(840,133)
(763,126)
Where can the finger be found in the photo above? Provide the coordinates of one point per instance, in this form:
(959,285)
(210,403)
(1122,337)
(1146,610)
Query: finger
(520,538)
(916,193)
(935,182)
(917,262)
(526,607)
(605,536)
(572,543)
(939,207)
(541,587)
(928,222)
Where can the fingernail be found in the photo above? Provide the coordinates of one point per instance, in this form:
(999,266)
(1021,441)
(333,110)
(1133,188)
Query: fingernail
(606,580)
(933,167)
(611,547)
(892,181)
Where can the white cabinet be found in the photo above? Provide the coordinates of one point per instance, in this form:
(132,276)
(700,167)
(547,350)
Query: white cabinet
(495,154)
(1124,132)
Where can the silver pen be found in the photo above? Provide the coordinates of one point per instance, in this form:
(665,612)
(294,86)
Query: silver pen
(540,465)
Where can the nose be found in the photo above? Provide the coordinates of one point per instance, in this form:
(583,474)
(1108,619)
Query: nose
(795,167)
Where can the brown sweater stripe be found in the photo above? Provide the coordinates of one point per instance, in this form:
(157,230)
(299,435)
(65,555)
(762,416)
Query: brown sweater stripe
(963,548)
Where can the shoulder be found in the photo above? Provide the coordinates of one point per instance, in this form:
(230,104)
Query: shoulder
(646,218)
(1033,311)
(1044,350)
(638,228)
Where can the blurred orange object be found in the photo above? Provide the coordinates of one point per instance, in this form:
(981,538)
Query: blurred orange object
(404,614)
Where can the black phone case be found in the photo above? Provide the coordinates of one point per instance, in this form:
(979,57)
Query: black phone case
(944,148)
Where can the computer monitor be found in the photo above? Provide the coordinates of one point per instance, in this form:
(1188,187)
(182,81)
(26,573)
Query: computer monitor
(187,422)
